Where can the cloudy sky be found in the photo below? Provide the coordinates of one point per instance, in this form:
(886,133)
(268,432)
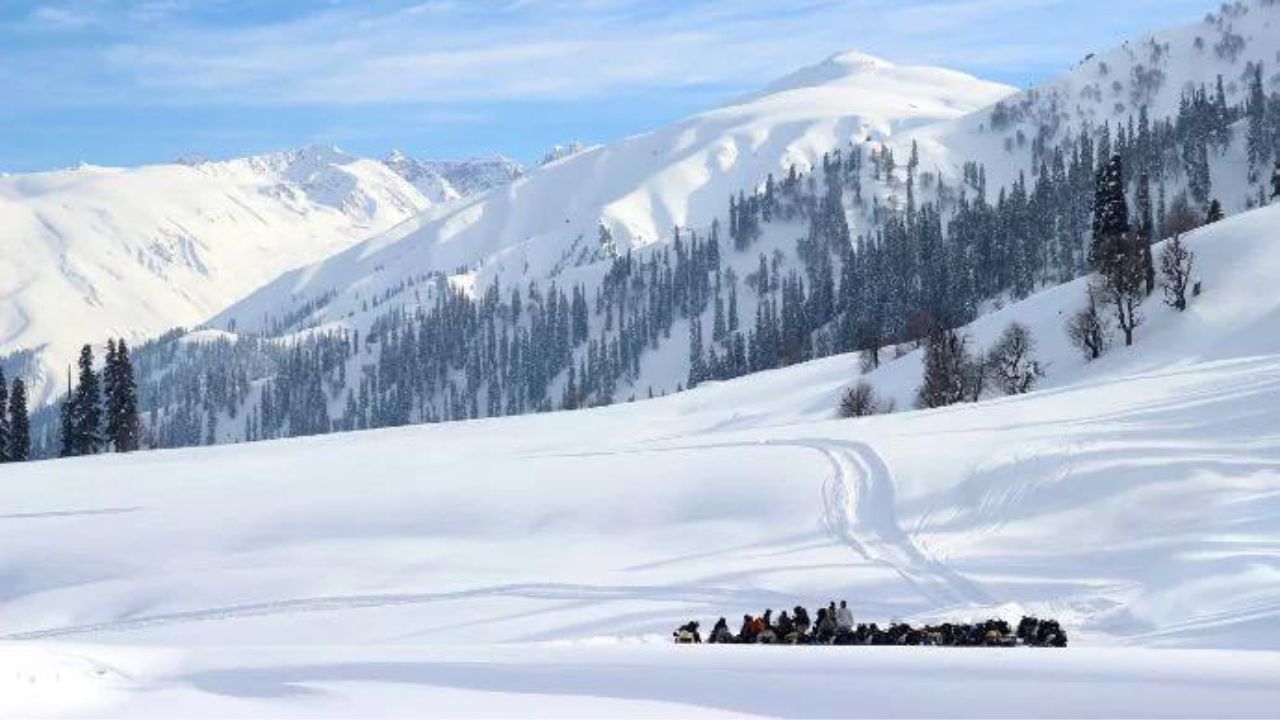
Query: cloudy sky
(136,81)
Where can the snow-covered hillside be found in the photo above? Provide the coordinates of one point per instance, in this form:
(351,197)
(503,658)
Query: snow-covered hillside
(1113,87)
(94,252)
(638,188)
(537,564)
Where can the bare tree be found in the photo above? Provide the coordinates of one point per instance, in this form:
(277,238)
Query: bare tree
(1125,284)
(973,377)
(1176,262)
(1011,361)
(861,401)
(1088,328)
(1181,217)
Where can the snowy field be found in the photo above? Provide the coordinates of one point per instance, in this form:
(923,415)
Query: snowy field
(537,565)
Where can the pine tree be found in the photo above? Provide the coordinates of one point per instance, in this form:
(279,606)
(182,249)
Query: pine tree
(946,365)
(86,408)
(110,394)
(1110,216)
(1116,253)
(1258,144)
(1146,230)
(1275,181)
(121,398)
(19,423)
(4,419)
(697,361)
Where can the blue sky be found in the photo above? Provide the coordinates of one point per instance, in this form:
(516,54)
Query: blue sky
(122,82)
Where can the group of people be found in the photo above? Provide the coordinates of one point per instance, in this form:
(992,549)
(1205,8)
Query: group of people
(833,625)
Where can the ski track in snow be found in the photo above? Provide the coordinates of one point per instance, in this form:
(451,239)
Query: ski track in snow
(861,509)
(858,510)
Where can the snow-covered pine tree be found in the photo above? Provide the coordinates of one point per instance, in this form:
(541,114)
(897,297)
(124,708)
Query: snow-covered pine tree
(1258,143)
(697,365)
(1110,216)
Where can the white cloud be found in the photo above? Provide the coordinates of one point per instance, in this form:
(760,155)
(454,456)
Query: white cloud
(380,51)
(59,18)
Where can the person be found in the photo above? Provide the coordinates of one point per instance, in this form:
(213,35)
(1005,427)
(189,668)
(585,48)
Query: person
(688,634)
(757,627)
(786,629)
(720,634)
(844,617)
(801,619)
(825,629)
(747,633)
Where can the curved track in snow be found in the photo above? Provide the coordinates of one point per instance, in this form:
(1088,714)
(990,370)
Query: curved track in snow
(859,510)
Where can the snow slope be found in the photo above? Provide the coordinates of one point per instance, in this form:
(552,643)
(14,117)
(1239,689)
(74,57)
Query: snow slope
(95,252)
(637,188)
(534,565)
(1113,87)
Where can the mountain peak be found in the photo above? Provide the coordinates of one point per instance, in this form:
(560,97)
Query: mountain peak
(856,59)
(839,66)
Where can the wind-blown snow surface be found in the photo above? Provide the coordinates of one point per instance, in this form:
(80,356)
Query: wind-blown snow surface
(93,252)
(534,565)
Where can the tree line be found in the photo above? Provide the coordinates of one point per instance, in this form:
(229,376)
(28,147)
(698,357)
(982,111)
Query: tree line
(101,413)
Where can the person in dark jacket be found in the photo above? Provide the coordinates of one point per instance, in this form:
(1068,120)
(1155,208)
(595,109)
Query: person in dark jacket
(786,629)
(824,630)
(747,633)
(720,634)
(801,619)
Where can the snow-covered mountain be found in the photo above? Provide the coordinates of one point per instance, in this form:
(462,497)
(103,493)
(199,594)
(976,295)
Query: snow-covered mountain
(93,252)
(639,188)
(1113,87)
(459,568)
(569,226)
(443,181)
(423,176)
